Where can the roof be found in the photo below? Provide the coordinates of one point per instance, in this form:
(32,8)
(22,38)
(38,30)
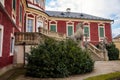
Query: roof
(61,14)
(117,37)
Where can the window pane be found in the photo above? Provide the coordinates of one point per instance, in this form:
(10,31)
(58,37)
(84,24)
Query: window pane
(12,45)
(20,13)
(101,32)
(14,4)
(53,28)
(30,25)
(86,31)
(70,30)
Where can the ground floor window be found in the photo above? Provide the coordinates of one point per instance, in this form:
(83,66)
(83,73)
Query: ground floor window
(1,39)
(12,41)
(30,25)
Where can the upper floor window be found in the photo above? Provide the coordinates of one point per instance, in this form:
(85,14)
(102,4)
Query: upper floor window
(29,25)
(39,24)
(53,28)
(20,14)
(70,30)
(37,1)
(14,4)
(101,32)
(86,31)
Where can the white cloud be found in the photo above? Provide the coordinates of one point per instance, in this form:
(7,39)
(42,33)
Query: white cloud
(104,8)
(115,32)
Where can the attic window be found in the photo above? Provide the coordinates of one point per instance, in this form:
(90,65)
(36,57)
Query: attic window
(62,13)
(81,15)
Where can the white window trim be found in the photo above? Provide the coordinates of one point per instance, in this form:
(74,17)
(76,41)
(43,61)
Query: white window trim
(53,24)
(101,38)
(14,11)
(89,38)
(69,25)
(1,45)
(33,23)
(12,36)
(3,2)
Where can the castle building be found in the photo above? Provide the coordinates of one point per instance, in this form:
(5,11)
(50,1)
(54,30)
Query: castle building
(29,15)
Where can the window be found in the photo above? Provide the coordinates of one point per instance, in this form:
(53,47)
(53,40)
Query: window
(39,24)
(20,14)
(70,30)
(30,25)
(14,4)
(101,31)
(37,1)
(12,40)
(53,28)
(86,31)
(1,40)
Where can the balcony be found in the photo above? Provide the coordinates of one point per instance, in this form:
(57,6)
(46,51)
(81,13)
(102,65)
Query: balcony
(28,38)
(34,38)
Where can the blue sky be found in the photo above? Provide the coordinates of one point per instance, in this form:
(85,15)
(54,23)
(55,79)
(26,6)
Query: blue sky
(103,8)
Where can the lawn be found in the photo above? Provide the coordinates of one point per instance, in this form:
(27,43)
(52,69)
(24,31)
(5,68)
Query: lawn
(110,76)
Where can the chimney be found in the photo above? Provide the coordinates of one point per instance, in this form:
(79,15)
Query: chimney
(68,10)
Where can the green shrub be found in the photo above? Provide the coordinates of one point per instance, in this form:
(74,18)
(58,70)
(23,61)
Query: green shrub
(113,52)
(58,59)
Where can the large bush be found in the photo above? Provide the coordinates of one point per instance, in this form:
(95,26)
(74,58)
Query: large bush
(113,52)
(58,59)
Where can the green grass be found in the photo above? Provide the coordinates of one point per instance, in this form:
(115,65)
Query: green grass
(109,76)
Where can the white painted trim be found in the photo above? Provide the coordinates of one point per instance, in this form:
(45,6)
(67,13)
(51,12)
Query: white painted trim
(33,23)
(53,24)
(69,25)
(89,38)
(1,43)
(14,11)
(2,2)
(12,36)
(36,7)
(101,38)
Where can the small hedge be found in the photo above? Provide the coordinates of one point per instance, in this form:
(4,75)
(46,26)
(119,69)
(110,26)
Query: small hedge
(58,59)
(113,52)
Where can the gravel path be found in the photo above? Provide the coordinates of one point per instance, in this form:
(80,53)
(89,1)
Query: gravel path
(101,67)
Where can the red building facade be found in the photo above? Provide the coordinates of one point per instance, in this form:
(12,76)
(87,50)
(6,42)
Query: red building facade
(11,21)
(29,15)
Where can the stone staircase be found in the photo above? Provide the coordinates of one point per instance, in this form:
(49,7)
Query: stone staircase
(34,38)
(96,54)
